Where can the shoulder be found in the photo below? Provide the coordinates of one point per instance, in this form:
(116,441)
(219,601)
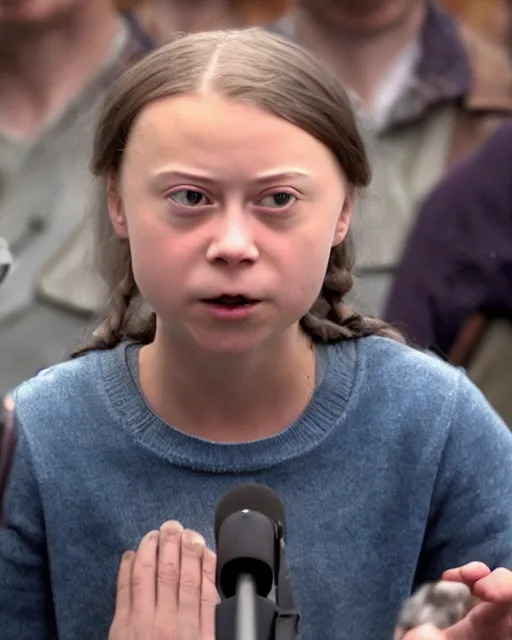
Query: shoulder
(395,362)
(421,403)
(63,397)
(397,385)
(407,409)
(419,386)
(58,380)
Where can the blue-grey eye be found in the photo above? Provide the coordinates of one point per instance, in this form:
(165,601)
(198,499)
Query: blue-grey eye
(277,200)
(188,197)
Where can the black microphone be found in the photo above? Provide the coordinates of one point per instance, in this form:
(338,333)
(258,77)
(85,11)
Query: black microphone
(252,577)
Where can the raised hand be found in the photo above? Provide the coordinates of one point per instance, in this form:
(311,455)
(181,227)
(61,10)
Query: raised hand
(166,590)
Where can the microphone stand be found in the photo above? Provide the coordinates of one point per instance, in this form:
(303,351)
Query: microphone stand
(246,611)
(251,564)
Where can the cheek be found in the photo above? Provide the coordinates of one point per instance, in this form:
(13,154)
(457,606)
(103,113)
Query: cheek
(159,264)
(304,265)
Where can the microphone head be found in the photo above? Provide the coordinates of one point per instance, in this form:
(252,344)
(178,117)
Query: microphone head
(253,497)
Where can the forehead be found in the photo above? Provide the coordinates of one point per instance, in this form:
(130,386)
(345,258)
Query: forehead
(212,129)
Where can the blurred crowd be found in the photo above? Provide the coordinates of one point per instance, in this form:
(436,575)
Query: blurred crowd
(431,82)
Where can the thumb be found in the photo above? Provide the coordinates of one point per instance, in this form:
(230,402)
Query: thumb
(425,632)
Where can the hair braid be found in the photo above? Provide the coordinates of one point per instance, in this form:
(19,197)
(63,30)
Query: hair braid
(331,319)
(123,318)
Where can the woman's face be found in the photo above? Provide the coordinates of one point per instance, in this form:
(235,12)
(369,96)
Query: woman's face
(231,213)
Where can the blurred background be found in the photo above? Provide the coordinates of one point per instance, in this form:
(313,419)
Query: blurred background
(488,17)
(247,11)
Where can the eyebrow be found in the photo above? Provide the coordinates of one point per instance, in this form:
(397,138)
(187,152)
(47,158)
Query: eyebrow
(264,179)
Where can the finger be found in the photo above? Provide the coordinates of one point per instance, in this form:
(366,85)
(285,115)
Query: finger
(496,587)
(468,573)
(168,579)
(209,596)
(124,595)
(492,617)
(189,594)
(144,581)
(425,632)
(123,592)
(469,628)
(489,614)
(495,592)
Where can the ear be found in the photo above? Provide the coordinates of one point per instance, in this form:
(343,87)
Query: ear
(343,224)
(116,207)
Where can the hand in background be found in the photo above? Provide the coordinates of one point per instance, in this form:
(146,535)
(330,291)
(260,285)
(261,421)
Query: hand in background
(166,590)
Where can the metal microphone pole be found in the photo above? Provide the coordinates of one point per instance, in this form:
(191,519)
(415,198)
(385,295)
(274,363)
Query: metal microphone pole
(246,623)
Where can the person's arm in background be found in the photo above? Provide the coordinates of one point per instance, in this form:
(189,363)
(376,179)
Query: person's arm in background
(458,260)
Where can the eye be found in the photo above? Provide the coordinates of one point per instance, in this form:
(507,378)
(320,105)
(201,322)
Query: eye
(189,198)
(277,200)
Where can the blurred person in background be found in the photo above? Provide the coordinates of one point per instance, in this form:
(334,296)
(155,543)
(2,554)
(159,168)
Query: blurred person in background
(453,291)
(161,18)
(57,57)
(429,94)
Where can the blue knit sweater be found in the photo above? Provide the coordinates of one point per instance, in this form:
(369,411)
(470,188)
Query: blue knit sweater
(397,470)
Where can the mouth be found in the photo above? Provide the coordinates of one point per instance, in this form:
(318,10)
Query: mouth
(230,301)
(231,307)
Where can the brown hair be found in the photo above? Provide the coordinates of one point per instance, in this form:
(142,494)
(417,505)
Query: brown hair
(265,70)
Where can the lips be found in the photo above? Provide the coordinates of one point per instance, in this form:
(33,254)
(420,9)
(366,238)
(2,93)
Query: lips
(230,300)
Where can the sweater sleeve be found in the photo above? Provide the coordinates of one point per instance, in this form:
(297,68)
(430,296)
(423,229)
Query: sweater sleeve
(471,506)
(26,612)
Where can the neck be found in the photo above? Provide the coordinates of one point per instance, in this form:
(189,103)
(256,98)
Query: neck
(362,51)
(162,18)
(37,73)
(229,398)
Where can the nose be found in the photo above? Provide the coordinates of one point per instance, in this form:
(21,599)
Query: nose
(233,242)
